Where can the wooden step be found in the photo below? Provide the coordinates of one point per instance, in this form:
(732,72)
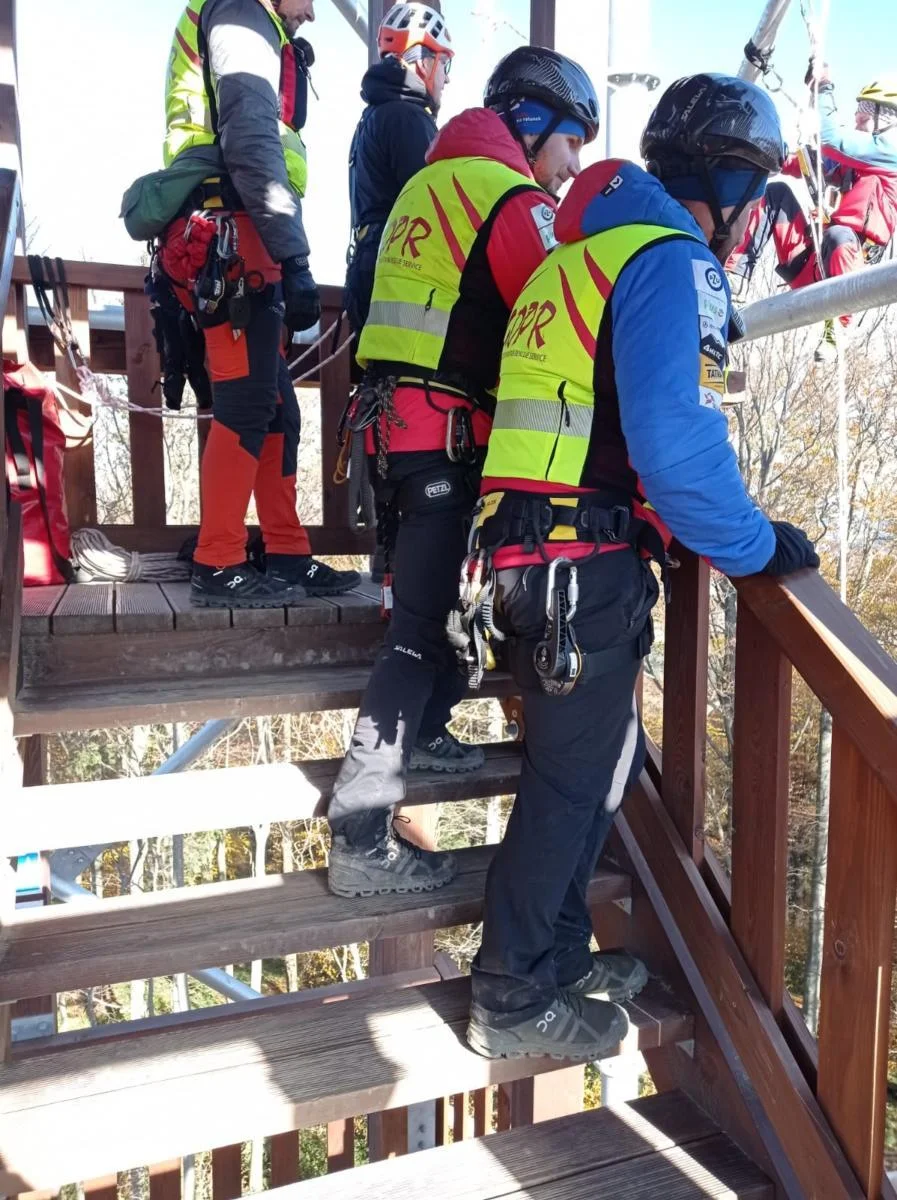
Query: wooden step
(143,936)
(659,1146)
(119,810)
(106,1103)
(58,708)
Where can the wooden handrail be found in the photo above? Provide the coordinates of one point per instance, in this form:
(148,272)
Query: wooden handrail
(121,277)
(840,660)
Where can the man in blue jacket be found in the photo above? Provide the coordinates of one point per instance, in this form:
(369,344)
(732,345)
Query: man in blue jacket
(608,427)
(402,93)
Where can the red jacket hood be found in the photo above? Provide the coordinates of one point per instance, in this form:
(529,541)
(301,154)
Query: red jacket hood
(479,133)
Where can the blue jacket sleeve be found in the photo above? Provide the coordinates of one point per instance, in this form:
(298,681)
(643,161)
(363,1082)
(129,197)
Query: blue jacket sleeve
(670,311)
(852,145)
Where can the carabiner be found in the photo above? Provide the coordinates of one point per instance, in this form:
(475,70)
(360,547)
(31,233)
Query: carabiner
(572,587)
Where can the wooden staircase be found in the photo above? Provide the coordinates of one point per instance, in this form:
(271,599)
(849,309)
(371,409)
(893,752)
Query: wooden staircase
(748,1103)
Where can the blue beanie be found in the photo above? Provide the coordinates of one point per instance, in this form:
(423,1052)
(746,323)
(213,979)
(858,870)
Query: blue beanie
(532,116)
(730,186)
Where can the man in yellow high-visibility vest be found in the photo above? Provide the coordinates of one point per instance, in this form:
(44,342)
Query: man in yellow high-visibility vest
(608,428)
(237,83)
(461,239)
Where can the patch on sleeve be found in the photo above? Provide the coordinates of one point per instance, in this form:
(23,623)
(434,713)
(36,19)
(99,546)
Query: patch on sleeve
(712,348)
(710,398)
(712,376)
(713,302)
(543,218)
(713,316)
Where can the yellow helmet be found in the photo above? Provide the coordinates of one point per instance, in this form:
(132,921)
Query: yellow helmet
(883,90)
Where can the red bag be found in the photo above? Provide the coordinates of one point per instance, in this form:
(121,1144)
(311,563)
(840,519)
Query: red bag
(35,445)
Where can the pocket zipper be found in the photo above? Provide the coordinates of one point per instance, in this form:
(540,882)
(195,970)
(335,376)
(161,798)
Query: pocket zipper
(564,420)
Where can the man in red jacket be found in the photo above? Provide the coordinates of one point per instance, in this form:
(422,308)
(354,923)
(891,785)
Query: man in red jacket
(860,168)
(462,239)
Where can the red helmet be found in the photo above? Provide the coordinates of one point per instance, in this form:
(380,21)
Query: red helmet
(408,25)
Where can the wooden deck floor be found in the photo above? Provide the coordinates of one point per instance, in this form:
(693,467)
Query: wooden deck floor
(99,608)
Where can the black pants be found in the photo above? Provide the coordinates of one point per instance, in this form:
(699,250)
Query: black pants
(415,681)
(580,754)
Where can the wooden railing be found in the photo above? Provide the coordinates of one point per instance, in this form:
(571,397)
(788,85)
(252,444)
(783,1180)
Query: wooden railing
(132,354)
(729,931)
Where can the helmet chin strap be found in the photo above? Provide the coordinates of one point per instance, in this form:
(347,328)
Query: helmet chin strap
(723,225)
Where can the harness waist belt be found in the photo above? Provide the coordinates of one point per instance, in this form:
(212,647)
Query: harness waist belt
(520,518)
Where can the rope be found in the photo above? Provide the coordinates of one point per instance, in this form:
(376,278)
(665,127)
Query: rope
(97,560)
(96,393)
(816,30)
(308,349)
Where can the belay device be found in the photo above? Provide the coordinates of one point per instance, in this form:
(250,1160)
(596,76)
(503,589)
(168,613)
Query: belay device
(557,658)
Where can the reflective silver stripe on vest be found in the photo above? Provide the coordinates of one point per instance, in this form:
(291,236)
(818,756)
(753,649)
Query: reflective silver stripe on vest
(544,416)
(398,314)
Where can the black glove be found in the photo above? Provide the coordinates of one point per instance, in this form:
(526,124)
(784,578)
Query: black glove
(794,550)
(300,293)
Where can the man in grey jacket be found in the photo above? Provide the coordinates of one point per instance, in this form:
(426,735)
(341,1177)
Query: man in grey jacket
(238,259)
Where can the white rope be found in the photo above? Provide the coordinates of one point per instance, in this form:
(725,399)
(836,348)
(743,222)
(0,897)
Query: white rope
(336,354)
(308,349)
(816,31)
(99,561)
(96,393)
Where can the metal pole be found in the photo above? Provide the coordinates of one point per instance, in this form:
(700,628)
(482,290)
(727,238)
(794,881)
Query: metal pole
(353,14)
(542,23)
(196,746)
(212,977)
(764,35)
(872,287)
(629,85)
(376,13)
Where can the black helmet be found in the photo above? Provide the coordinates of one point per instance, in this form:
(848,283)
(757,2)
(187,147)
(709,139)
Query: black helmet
(537,73)
(715,117)
(714,122)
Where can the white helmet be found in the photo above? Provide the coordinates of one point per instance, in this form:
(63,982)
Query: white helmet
(408,25)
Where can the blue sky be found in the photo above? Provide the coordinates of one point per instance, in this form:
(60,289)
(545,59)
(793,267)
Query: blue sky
(91,93)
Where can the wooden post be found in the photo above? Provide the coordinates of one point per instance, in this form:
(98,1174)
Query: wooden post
(10,214)
(165,1181)
(543,1097)
(482,1112)
(33,752)
(856,967)
(336,384)
(284,1152)
(340,1145)
(15,326)
(388,1131)
(80,480)
(685,698)
(10,763)
(760,805)
(227,1172)
(147,441)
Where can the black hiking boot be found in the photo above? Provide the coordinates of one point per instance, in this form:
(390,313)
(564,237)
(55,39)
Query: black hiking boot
(389,865)
(615,975)
(574,1027)
(445,753)
(243,586)
(316,578)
